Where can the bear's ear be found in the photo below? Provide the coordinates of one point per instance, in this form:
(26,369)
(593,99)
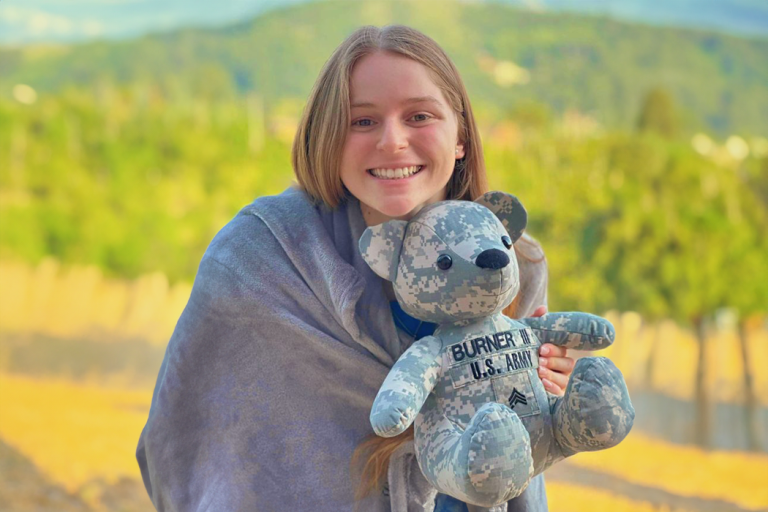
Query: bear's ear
(380,246)
(509,211)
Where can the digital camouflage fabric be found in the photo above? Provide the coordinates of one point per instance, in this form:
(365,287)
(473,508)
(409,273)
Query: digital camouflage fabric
(484,425)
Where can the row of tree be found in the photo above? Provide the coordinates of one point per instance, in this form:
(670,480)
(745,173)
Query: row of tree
(629,220)
(637,222)
(633,220)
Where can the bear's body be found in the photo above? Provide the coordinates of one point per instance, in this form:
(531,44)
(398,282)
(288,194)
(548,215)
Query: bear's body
(484,425)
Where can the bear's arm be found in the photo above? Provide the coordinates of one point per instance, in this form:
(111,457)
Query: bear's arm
(581,331)
(406,387)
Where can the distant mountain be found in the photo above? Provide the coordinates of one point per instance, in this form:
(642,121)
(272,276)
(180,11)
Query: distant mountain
(507,56)
(25,21)
(735,16)
(29,21)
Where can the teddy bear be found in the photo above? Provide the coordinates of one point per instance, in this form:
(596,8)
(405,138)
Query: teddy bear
(483,423)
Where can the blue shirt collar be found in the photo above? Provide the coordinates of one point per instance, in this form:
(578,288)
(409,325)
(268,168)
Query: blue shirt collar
(413,326)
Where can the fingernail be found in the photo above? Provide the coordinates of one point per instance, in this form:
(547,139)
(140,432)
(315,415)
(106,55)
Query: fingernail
(547,384)
(543,361)
(542,372)
(544,350)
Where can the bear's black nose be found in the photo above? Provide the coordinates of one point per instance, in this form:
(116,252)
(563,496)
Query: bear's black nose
(493,259)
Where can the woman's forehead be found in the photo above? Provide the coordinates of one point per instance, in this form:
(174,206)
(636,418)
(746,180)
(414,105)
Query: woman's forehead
(385,78)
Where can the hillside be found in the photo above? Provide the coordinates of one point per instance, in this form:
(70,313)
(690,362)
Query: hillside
(735,16)
(507,56)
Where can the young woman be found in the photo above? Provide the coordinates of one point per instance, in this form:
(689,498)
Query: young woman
(266,386)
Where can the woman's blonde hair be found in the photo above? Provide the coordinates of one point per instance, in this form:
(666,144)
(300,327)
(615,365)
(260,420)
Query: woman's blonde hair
(316,159)
(322,131)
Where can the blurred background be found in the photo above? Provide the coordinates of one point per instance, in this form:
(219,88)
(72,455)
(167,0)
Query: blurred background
(131,131)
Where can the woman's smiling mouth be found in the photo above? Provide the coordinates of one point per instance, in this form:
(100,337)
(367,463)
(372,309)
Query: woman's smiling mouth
(396,174)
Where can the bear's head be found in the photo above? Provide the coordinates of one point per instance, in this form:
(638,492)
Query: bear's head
(454,260)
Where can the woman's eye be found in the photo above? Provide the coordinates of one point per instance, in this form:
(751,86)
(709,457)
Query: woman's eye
(367,123)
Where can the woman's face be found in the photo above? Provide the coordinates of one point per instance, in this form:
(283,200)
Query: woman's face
(400,120)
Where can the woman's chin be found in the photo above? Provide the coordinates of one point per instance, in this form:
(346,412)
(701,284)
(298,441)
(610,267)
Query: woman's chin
(398,209)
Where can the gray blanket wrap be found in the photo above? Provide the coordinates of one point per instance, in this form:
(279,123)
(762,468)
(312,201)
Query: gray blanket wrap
(268,380)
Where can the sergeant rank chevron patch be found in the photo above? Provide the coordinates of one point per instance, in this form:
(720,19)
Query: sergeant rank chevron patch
(516,398)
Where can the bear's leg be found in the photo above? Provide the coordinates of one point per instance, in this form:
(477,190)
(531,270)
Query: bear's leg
(486,464)
(595,413)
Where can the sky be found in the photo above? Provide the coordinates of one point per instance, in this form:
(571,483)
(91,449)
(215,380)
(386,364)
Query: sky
(25,21)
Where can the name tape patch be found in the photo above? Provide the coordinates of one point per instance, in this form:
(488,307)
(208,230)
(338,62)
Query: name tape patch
(495,365)
(490,344)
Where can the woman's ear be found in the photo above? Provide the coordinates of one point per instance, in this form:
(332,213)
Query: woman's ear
(460,151)
(508,209)
(380,247)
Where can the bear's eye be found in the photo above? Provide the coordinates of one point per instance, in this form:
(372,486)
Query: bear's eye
(506,241)
(444,262)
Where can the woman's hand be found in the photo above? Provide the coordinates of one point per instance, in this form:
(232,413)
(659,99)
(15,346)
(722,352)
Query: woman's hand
(555,366)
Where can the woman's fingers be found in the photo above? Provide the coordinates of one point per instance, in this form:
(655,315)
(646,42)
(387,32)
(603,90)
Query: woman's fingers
(562,365)
(550,350)
(553,382)
(555,368)
(540,311)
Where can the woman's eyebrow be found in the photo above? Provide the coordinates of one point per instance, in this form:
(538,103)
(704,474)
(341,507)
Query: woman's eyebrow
(418,99)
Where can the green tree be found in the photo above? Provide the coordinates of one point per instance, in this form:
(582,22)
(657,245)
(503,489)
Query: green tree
(658,114)
(747,292)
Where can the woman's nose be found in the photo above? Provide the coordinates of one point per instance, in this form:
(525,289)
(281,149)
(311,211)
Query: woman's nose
(393,137)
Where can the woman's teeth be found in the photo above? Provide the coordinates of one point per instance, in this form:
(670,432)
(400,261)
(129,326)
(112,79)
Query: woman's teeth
(395,174)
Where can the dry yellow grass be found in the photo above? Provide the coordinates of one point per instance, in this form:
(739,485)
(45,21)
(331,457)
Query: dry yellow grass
(75,433)
(564,497)
(80,302)
(736,477)
(72,432)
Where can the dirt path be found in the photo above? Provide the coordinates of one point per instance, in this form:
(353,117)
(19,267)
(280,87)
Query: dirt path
(24,489)
(572,474)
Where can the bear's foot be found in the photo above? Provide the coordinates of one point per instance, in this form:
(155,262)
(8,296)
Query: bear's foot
(595,413)
(500,465)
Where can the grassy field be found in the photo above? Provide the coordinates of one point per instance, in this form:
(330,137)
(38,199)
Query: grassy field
(70,445)
(81,438)
(79,303)
(79,354)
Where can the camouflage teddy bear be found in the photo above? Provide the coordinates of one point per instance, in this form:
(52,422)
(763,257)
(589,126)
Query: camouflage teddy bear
(484,425)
